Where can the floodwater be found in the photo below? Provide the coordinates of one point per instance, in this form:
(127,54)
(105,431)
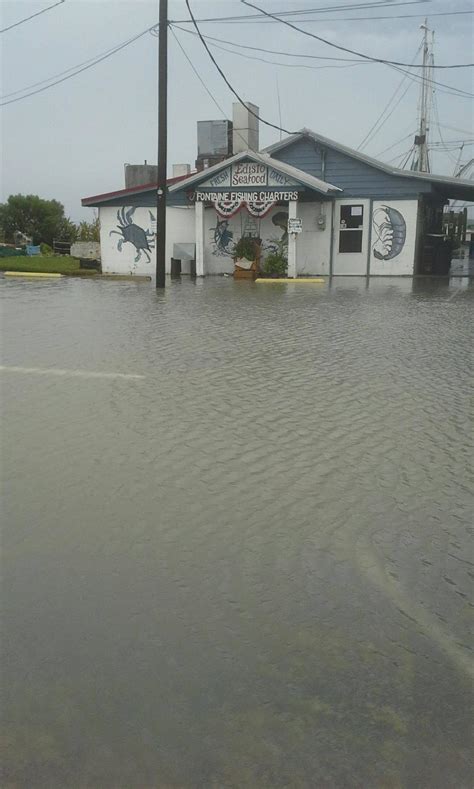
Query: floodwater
(235,545)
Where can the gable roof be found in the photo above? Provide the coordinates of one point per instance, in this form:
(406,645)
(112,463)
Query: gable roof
(261,158)
(446,183)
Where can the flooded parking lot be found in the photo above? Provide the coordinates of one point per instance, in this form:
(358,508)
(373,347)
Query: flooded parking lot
(236,534)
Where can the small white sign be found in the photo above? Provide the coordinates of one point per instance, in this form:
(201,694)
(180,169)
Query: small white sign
(295,225)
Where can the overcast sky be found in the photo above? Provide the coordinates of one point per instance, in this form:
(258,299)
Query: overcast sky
(72,140)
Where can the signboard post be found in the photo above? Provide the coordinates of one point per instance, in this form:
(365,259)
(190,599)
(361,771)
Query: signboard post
(295,226)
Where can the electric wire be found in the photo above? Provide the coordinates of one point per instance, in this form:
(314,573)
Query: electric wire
(251,18)
(373,131)
(436,119)
(223,113)
(303,11)
(389,147)
(256,19)
(87,65)
(32,16)
(399,156)
(231,88)
(269,51)
(279,63)
(446,88)
(415,77)
(342,48)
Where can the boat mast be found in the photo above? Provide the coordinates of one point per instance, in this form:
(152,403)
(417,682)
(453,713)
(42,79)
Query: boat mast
(421,161)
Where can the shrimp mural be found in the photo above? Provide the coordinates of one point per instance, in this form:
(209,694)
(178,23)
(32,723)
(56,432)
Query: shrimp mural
(390,232)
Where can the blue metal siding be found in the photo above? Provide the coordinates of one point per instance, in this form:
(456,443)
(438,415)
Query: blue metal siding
(356,178)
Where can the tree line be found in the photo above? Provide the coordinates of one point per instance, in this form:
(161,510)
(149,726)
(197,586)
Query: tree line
(43,220)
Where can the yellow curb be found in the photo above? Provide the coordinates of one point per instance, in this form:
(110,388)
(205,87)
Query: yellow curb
(31,274)
(297,279)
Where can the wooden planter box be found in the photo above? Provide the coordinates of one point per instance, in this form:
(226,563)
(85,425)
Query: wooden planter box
(245,269)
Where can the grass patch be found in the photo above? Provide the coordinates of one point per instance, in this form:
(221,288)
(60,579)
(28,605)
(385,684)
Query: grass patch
(50,265)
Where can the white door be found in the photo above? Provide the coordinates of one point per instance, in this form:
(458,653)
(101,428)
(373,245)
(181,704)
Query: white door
(351,236)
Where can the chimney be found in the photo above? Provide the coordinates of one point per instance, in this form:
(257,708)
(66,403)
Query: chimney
(139,174)
(181,169)
(245,127)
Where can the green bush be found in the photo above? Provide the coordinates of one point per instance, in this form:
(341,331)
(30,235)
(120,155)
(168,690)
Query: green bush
(275,265)
(46,249)
(246,247)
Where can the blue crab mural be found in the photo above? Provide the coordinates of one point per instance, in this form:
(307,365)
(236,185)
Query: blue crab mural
(130,233)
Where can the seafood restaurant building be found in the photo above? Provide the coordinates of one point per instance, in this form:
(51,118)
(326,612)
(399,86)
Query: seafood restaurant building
(351,214)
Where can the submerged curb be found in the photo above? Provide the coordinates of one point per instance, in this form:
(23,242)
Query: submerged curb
(31,274)
(311,280)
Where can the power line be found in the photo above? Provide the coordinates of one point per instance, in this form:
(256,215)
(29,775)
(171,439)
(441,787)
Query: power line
(61,73)
(318,10)
(453,128)
(79,70)
(370,136)
(450,89)
(371,18)
(241,101)
(256,18)
(399,156)
(404,162)
(451,145)
(223,113)
(269,51)
(389,148)
(345,49)
(275,62)
(455,91)
(27,18)
(379,122)
(436,118)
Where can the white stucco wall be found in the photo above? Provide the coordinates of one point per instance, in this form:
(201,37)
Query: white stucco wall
(387,237)
(313,244)
(215,260)
(179,229)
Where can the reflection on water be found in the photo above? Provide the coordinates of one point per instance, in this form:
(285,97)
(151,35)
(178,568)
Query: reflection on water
(251,567)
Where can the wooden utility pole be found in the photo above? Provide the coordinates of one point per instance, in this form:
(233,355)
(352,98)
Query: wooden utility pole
(162,145)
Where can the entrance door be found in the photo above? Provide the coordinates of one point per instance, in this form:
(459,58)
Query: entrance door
(351,236)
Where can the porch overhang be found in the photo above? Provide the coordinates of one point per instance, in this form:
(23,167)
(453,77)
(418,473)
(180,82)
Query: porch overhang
(256,173)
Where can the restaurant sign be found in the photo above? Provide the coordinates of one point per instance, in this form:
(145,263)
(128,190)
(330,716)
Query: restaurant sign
(258,204)
(213,197)
(249,174)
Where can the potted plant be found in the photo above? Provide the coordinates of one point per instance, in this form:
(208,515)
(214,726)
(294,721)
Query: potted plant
(246,257)
(275,265)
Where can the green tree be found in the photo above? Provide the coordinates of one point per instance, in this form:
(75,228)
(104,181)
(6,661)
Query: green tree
(89,231)
(43,220)
(67,230)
